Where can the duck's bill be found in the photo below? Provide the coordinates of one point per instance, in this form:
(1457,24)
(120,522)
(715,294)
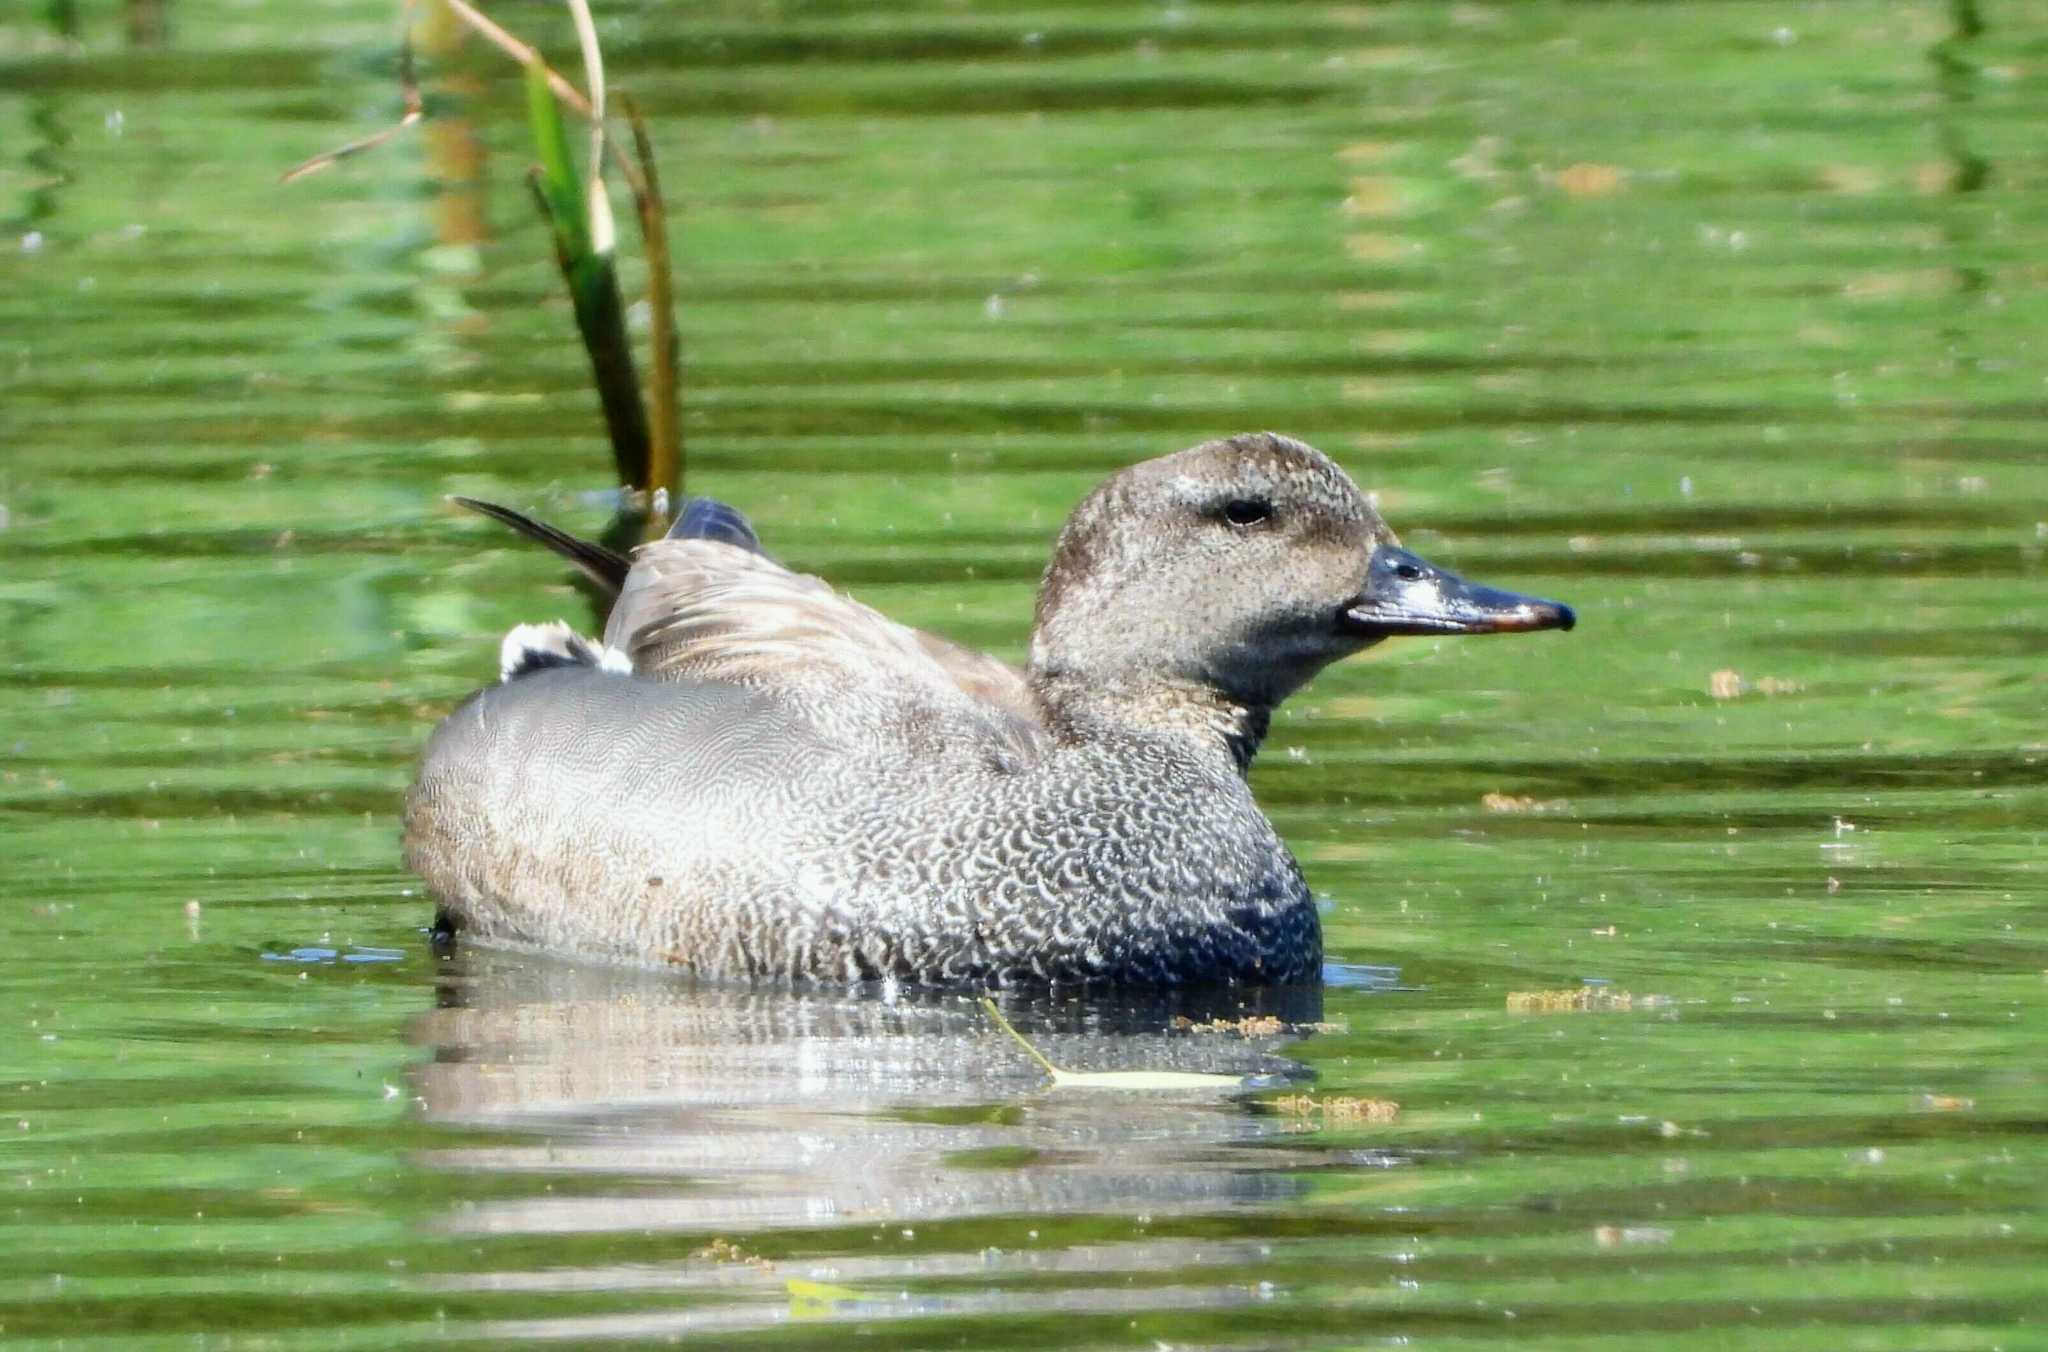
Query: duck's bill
(1406,594)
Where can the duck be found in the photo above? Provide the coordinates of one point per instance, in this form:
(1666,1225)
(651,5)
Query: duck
(751,776)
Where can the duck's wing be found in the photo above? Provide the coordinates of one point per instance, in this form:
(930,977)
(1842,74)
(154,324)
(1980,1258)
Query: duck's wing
(702,609)
(707,603)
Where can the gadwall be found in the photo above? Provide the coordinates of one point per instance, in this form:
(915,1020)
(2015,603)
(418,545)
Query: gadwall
(754,776)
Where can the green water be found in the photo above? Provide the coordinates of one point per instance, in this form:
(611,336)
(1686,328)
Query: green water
(1722,322)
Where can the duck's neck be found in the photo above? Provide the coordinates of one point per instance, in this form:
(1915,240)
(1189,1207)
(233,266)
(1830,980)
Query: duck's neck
(1211,723)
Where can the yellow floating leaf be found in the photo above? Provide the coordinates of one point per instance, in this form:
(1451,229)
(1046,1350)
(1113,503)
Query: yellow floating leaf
(818,1294)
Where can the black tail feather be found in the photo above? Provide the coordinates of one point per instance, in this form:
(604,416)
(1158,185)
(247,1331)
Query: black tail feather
(604,566)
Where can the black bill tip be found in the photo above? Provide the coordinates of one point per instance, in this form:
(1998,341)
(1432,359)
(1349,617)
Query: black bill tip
(1406,594)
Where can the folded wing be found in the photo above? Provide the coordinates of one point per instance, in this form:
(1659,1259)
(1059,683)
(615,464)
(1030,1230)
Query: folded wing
(699,609)
(706,603)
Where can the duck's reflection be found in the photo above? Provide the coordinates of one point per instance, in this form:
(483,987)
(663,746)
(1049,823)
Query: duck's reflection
(728,1109)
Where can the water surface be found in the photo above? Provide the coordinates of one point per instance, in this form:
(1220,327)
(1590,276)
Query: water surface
(1701,949)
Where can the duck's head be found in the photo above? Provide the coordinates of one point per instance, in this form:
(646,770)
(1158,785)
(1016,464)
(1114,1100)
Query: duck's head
(1243,567)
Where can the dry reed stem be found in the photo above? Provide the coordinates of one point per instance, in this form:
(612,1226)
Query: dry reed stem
(665,436)
(604,234)
(511,46)
(568,93)
(409,90)
(519,52)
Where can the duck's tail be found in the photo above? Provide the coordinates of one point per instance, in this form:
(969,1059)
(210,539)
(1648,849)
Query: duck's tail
(603,565)
(700,519)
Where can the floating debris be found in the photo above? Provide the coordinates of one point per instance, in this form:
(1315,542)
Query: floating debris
(1580,1000)
(1946,1103)
(1336,1108)
(723,1250)
(1590,180)
(1731,684)
(1251,1025)
(1618,1236)
(1511,802)
(1255,1025)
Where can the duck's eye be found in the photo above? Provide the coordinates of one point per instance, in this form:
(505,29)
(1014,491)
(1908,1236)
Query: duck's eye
(1247,511)
(1407,572)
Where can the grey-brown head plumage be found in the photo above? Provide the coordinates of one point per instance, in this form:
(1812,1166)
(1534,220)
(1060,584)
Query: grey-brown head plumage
(1227,564)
